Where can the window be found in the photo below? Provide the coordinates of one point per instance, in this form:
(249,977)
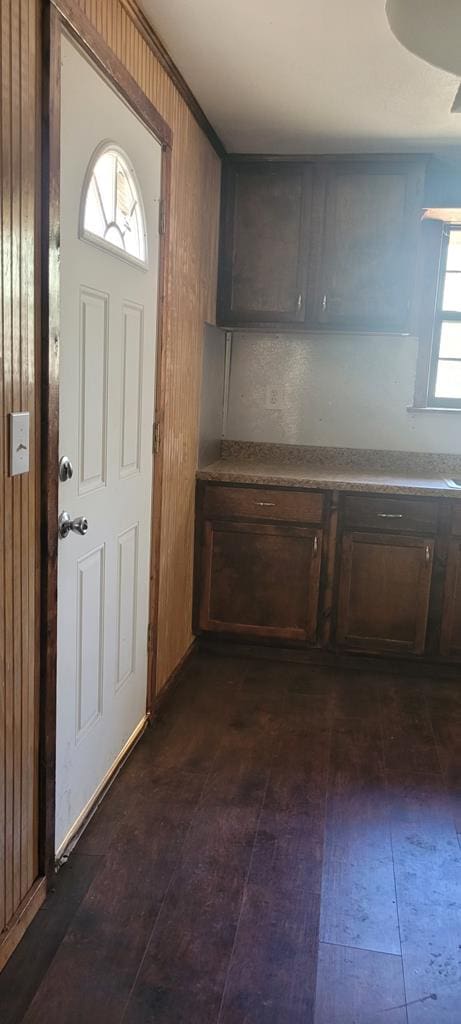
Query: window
(112,213)
(445,365)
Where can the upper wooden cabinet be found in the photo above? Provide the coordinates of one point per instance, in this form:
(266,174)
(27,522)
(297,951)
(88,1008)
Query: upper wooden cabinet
(370,245)
(265,242)
(322,245)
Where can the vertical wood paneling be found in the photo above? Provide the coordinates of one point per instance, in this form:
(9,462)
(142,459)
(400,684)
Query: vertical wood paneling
(18,526)
(190,299)
(191,290)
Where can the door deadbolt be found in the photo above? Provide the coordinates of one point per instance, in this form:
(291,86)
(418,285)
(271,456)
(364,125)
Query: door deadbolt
(66,469)
(66,524)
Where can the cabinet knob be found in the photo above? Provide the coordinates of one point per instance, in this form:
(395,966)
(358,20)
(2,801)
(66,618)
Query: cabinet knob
(315,545)
(390,515)
(265,504)
(428,554)
(300,301)
(324,304)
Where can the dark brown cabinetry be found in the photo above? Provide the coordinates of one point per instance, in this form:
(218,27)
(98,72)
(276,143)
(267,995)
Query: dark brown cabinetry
(260,561)
(384,588)
(352,572)
(265,242)
(450,644)
(261,579)
(370,242)
(325,244)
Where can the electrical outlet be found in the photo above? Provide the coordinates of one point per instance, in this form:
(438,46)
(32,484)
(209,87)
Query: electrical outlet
(275,396)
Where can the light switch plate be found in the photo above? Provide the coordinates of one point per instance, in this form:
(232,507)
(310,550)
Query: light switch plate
(19,443)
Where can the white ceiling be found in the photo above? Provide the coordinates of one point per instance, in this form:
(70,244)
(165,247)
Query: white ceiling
(300,76)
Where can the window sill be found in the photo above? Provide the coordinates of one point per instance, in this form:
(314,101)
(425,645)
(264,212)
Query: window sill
(433,408)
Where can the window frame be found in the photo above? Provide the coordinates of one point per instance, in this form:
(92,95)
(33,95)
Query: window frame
(89,236)
(440,317)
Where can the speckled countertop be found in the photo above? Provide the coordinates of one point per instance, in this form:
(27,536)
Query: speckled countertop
(335,469)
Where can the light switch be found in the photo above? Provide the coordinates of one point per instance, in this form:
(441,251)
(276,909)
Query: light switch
(19,443)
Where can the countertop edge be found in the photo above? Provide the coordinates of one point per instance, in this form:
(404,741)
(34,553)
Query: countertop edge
(262,479)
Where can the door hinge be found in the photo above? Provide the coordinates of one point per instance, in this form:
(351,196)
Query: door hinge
(156,438)
(161,217)
(150,637)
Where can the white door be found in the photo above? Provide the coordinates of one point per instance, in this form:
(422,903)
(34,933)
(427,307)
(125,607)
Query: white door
(110,193)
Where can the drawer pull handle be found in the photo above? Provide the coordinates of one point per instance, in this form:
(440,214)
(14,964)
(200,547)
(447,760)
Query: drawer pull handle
(265,504)
(390,515)
(428,554)
(316,546)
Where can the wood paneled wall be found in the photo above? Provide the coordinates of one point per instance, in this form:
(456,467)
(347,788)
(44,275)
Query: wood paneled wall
(18,520)
(190,300)
(191,296)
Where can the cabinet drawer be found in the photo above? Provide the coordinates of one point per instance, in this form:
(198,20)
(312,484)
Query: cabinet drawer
(260,503)
(393,514)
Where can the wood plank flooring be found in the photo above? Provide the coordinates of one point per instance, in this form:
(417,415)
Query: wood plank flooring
(281,848)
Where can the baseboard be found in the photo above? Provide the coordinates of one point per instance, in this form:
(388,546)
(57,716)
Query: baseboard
(79,826)
(384,663)
(169,687)
(11,937)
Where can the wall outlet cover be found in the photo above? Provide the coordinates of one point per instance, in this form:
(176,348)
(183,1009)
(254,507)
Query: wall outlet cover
(275,396)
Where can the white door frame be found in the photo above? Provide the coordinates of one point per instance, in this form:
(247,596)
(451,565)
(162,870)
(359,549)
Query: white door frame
(76,25)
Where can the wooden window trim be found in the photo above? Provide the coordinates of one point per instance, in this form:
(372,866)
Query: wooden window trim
(435,247)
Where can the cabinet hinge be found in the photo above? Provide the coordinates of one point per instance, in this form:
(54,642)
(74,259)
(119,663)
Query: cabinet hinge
(156,438)
(150,637)
(161,217)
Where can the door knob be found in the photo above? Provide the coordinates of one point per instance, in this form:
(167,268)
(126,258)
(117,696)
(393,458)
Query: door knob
(66,524)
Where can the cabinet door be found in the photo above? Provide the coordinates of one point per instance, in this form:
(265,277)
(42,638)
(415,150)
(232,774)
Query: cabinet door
(384,591)
(451,618)
(265,234)
(260,580)
(371,237)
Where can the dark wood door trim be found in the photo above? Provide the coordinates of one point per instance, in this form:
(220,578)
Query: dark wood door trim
(78,25)
(59,16)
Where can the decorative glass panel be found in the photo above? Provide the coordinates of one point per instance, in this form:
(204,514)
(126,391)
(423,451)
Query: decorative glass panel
(112,205)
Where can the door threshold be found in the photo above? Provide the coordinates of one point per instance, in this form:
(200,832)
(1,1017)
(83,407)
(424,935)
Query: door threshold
(79,826)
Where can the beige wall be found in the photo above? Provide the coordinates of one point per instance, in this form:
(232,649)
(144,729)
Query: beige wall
(339,390)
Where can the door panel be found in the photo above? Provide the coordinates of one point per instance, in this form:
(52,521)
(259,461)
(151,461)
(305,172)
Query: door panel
(93,369)
(384,592)
(266,241)
(451,618)
(261,580)
(131,418)
(90,638)
(368,264)
(107,380)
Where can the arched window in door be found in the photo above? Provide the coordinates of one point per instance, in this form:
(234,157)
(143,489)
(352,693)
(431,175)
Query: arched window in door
(112,212)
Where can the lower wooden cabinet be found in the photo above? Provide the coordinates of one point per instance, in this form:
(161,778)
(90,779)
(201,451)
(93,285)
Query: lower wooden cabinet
(450,641)
(384,589)
(259,562)
(260,579)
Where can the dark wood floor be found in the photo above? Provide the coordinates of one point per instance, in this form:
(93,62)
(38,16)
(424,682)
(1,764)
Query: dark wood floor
(281,848)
